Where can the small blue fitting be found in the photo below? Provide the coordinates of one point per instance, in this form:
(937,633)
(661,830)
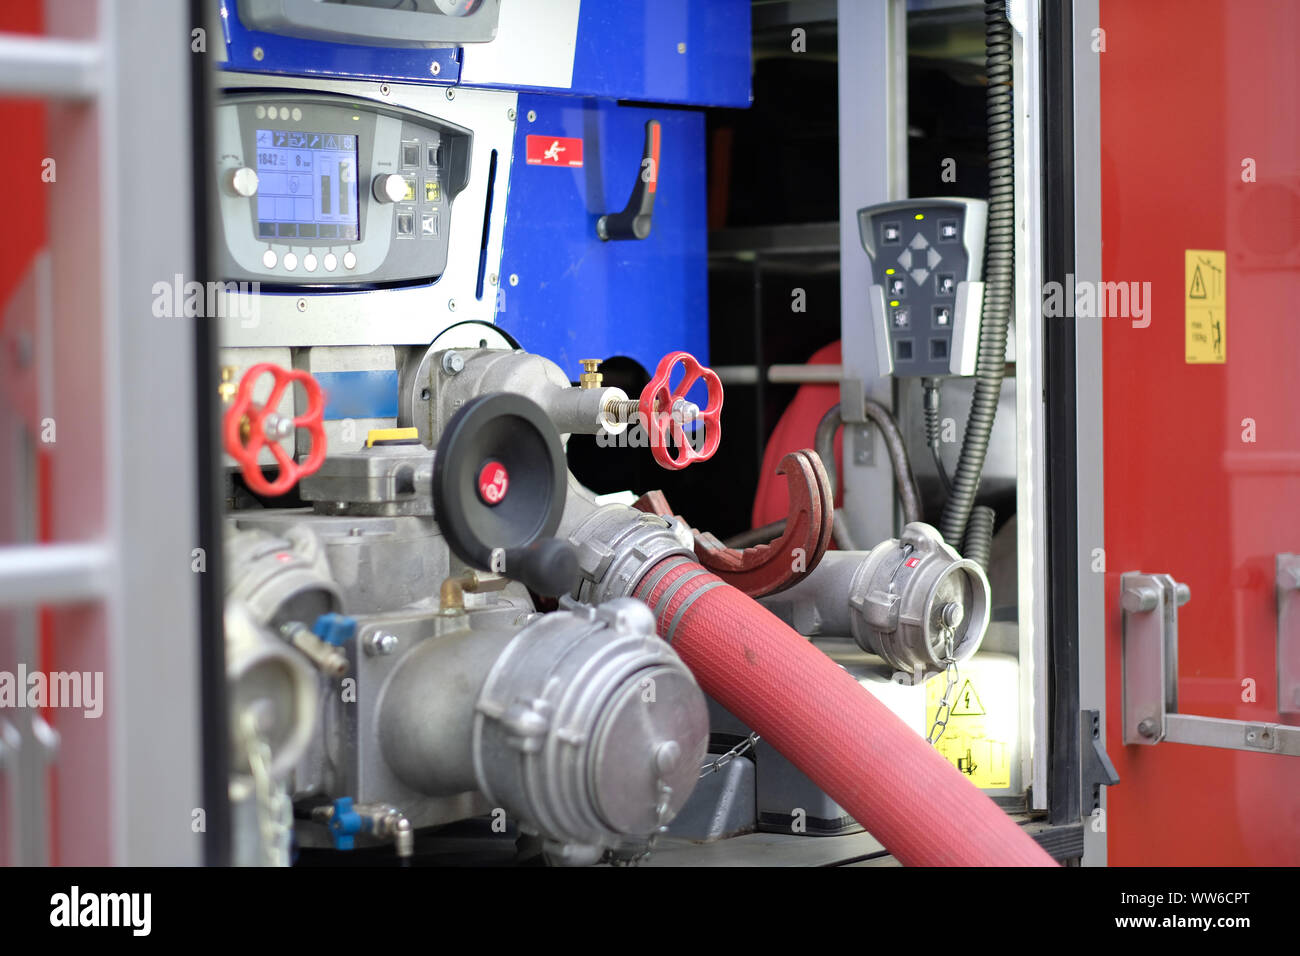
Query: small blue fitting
(335,628)
(345,823)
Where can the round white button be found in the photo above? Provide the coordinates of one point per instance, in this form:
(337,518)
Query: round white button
(309,262)
(350,259)
(290,261)
(297,114)
(272,112)
(331,262)
(269,258)
(261,112)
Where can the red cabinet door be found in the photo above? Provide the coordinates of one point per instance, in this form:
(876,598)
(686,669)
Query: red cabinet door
(1200,151)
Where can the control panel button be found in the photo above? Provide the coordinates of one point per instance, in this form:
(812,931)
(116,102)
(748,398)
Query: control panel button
(891,233)
(331,262)
(948,231)
(309,262)
(406,224)
(349,259)
(943,316)
(429,225)
(901,319)
(903,350)
(269,258)
(389,187)
(241,181)
(290,261)
(897,286)
(945,283)
(411,155)
(939,350)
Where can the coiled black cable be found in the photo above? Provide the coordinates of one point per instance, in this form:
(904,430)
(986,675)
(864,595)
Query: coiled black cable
(999,275)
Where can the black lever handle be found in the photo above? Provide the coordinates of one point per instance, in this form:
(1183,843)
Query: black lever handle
(635,220)
(548,566)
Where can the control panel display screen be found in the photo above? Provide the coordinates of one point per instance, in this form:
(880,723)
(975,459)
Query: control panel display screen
(307,185)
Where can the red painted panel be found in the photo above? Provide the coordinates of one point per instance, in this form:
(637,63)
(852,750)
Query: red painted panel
(1190,89)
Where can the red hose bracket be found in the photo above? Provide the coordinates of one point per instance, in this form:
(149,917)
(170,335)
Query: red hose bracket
(777,565)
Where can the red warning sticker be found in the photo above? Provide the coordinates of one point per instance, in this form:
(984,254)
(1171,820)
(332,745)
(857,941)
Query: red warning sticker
(912,562)
(493,481)
(553,151)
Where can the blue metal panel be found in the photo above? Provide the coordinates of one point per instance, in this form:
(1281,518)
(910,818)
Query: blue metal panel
(578,297)
(366,394)
(630,50)
(298,57)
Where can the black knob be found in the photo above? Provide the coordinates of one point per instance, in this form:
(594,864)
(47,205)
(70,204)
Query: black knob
(635,220)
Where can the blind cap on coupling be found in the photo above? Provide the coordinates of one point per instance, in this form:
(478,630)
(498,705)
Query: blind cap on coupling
(910,594)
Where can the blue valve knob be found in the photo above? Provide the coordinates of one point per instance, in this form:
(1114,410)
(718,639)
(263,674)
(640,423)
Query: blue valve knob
(335,628)
(345,823)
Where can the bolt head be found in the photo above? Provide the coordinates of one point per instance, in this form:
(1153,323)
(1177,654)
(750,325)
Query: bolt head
(435,67)
(258,53)
(952,614)
(1148,727)
(532,116)
(510,115)
(451,94)
(381,644)
(452,362)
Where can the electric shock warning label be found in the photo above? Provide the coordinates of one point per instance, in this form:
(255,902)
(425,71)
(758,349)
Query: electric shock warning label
(1205,297)
(968,742)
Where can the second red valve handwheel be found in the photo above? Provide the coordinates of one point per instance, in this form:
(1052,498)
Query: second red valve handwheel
(249,427)
(665,409)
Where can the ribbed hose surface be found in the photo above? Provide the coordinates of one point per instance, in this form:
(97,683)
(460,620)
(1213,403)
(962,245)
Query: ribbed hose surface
(979,536)
(884,774)
(999,272)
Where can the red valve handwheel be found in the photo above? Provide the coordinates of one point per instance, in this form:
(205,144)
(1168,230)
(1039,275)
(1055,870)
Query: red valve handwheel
(656,407)
(246,452)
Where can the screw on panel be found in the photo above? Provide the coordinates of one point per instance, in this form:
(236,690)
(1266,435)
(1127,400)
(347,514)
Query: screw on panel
(514,279)
(492,279)
(258,53)
(302,305)
(451,305)
(435,67)
(452,362)
(681,48)
(384,89)
(380,643)
(451,94)
(532,116)
(510,115)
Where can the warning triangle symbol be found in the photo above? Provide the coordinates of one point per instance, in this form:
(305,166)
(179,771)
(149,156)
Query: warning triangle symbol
(1197,291)
(968,702)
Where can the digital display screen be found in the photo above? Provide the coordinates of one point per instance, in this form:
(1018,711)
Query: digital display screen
(307,185)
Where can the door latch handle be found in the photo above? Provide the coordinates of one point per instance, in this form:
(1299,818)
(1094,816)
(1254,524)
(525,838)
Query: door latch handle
(636,218)
(1150,605)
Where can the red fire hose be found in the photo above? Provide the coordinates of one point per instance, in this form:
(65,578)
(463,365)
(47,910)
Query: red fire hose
(918,805)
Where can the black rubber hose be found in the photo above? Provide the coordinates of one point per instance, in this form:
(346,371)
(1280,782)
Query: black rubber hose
(999,274)
(909,498)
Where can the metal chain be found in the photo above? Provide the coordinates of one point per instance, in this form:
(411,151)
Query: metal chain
(661,827)
(944,710)
(274,808)
(729,756)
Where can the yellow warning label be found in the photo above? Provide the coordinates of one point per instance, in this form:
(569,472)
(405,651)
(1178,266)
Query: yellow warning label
(1205,296)
(967,742)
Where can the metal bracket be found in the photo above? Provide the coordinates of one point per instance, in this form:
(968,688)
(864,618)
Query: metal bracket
(1150,603)
(1288,633)
(1097,770)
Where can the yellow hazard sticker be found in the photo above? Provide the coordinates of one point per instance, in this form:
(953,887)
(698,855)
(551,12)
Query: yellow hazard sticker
(969,742)
(1205,298)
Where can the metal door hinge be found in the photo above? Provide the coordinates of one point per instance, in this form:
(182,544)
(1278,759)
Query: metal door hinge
(1288,633)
